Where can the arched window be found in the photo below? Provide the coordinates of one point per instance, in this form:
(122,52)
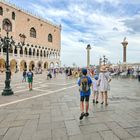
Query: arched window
(15,50)
(13,15)
(33,52)
(33,32)
(41,53)
(44,53)
(1,11)
(30,51)
(50,39)
(21,50)
(37,52)
(47,55)
(25,51)
(7,22)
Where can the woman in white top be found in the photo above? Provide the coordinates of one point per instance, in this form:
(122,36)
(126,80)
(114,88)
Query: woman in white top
(104,79)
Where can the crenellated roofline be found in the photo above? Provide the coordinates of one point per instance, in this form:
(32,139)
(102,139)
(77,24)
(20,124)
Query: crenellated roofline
(29,13)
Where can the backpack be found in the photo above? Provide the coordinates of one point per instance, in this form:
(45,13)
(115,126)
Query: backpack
(84,86)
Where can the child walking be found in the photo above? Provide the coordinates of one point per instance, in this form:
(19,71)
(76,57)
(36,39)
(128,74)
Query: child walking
(30,79)
(85,83)
(95,89)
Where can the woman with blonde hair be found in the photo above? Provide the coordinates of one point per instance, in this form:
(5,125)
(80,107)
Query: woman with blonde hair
(104,80)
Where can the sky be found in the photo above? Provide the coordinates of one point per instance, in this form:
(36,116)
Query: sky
(101,23)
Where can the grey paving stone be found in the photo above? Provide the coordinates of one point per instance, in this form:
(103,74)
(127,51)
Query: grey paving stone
(5,124)
(45,118)
(58,125)
(138,138)
(108,135)
(18,123)
(64,107)
(125,124)
(44,126)
(11,117)
(56,112)
(1,137)
(72,127)
(59,134)
(24,116)
(135,123)
(3,131)
(68,115)
(76,137)
(93,128)
(29,130)
(119,131)
(57,118)
(93,136)
(135,131)
(53,110)
(42,135)
(13,133)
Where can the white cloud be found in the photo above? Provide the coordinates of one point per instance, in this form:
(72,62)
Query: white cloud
(104,31)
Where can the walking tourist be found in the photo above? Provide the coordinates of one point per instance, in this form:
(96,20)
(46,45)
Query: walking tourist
(85,83)
(104,80)
(95,89)
(24,76)
(49,74)
(139,76)
(66,72)
(30,79)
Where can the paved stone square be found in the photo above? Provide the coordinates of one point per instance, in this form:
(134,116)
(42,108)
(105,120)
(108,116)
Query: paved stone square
(51,111)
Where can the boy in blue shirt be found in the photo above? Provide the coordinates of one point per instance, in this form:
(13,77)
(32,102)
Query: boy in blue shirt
(85,83)
(30,79)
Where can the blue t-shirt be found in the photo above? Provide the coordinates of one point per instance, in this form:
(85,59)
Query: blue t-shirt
(30,75)
(89,83)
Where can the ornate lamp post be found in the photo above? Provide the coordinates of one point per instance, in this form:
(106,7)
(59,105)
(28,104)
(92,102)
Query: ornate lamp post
(105,60)
(6,43)
(88,55)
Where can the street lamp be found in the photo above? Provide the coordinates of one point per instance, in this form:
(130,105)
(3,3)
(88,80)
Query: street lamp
(88,55)
(7,42)
(104,60)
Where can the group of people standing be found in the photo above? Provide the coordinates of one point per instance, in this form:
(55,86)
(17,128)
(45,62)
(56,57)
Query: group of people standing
(100,84)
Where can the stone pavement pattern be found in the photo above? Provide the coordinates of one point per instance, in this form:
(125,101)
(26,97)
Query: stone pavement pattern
(55,114)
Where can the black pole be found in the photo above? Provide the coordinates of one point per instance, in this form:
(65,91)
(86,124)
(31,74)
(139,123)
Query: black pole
(7,90)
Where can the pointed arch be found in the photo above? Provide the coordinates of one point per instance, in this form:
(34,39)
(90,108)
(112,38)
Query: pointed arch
(50,38)
(33,32)
(13,15)
(5,22)
(1,11)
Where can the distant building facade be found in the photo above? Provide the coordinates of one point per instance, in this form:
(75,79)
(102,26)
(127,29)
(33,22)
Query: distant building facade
(42,40)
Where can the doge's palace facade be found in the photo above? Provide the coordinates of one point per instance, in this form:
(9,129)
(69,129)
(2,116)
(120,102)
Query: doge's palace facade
(37,41)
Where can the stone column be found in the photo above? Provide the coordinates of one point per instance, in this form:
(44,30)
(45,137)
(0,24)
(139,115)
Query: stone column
(88,55)
(1,51)
(18,52)
(124,43)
